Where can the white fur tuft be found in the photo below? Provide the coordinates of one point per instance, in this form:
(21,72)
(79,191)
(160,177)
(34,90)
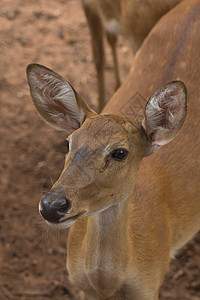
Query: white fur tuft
(156,109)
(165,113)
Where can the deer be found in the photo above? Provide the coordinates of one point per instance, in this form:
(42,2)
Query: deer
(131,18)
(129,191)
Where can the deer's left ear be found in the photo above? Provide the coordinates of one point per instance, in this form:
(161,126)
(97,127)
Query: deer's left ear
(164,115)
(56,100)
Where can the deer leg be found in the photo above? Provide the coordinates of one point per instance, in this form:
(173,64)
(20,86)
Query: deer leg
(112,40)
(96,30)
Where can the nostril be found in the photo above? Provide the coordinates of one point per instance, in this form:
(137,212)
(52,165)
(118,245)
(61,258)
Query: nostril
(44,203)
(53,211)
(62,205)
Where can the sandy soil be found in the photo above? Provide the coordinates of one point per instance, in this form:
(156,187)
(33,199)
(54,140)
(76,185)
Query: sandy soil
(32,258)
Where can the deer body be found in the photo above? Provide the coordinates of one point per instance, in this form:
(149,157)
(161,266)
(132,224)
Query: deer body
(175,48)
(129,211)
(132,18)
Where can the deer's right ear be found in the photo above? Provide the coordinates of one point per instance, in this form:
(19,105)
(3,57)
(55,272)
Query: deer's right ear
(56,100)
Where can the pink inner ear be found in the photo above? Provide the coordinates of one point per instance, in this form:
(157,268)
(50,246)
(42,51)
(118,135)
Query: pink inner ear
(165,113)
(57,107)
(166,107)
(55,99)
(171,109)
(66,118)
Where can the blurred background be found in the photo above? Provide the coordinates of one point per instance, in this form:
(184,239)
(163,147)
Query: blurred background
(32,258)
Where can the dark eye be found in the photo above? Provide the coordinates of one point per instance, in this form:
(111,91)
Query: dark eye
(66,142)
(119,154)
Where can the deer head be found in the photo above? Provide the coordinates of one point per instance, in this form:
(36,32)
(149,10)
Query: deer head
(104,151)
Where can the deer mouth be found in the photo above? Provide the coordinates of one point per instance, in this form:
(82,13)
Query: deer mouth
(72,218)
(66,222)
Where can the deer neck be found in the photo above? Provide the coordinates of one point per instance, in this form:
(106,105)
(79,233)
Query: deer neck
(110,220)
(108,236)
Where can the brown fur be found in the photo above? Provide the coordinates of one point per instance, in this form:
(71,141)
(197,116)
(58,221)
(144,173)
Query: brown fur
(132,18)
(129,222)
(165,210)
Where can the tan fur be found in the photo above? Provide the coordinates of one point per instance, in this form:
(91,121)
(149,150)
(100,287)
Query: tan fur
(128,223)
(164,212)
(133,18)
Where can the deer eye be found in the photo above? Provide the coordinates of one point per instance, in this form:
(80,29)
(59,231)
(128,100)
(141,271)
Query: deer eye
(66,142)
(119,154)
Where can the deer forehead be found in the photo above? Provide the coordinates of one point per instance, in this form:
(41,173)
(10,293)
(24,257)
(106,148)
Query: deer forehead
(102,134)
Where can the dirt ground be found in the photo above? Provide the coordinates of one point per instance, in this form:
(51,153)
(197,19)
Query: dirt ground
(32,258)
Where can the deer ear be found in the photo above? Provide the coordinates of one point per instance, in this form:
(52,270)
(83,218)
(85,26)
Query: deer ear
(164,115)
(56,100)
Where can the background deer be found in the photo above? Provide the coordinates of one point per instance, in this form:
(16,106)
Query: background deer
(125,223)
(133,18)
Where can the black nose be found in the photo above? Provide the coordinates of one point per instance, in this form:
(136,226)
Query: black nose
(54,210)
